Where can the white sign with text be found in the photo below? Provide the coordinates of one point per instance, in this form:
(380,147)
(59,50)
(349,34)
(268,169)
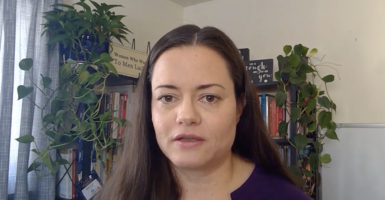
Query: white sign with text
(127,61)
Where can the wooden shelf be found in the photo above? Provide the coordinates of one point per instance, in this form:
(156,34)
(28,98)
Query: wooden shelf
(112,80)
(284,140)
(280,140)
(266,87)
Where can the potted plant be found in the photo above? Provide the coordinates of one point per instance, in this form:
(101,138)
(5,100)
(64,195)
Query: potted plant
(85,30)
(311,114)
(82,80)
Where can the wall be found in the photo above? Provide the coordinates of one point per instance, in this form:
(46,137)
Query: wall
(147,19)
(355,175)
(347,32)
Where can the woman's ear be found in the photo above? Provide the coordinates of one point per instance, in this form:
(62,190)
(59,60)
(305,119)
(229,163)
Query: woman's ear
(241,103)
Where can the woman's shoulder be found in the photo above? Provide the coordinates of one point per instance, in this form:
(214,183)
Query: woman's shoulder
(262,185)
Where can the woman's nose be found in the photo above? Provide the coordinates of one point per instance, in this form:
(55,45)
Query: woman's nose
(188,114)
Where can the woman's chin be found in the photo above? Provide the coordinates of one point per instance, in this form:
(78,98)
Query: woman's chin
(187,164)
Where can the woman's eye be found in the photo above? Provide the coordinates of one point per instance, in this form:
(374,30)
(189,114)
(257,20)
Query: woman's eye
(210,98)
(167,98)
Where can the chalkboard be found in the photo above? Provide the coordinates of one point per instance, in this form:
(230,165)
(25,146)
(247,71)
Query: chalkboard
(260,71)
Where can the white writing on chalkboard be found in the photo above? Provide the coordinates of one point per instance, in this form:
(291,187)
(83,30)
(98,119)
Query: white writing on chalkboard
(260,71)
(261,68)
(262,78)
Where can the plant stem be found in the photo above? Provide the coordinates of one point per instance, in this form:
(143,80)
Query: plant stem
(33,102)
(33,83)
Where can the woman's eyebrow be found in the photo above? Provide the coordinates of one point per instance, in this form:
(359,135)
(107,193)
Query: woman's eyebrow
(199,87)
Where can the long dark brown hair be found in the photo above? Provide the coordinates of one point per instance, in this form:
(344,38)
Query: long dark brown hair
(143,171)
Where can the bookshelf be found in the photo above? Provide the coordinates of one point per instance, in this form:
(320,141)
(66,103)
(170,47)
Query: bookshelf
(292,156)
(90,162)
(84,162)
(270,89)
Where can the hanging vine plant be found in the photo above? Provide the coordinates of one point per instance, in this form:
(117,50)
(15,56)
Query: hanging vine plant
(311,114)
(82,36)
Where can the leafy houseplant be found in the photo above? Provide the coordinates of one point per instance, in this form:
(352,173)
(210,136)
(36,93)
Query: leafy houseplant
(84,30)
(311,114)
(80,80)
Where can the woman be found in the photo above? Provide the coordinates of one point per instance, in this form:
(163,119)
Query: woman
(198,130)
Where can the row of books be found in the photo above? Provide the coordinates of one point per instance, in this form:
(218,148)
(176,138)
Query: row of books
(285,153)
(272,114)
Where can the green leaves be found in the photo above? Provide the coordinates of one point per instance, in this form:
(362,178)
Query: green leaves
(326,158)
(296,80)
(105,57)
(330,133)
(34,166)
(325,102)
(294,59)
(307,173)
(324,118)
(277,75)
(328,78)
(300,141)
(318,147)
(47,161)
(71,61)
(51,134)
(311,105)
(62,162)
(26,64)
(26,139)
(64,71)
(77,79)
(93,78)
(312,52)
(83,77)
(304,119)
(23,91)
(305,68)
(80,68)
(49,118)
(295,112)
(280,98)
(87,96)
(313,160)
(287,49)
(82,127)
(310,108)
(57,38)
(45,81)
(111,68)
(106,116)
(281,59)
(118,121)
(56,106)
(282,128)
(312,127)
(298,49)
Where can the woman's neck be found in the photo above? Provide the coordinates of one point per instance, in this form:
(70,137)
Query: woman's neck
(215,181)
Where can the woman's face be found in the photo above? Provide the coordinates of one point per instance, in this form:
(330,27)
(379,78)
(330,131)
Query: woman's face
(194,109)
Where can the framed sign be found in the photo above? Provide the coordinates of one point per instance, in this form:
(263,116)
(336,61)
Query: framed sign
(260,71)
(245,53)
(127,61)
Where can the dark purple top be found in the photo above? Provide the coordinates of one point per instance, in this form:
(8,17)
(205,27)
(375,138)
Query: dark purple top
(263,186)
